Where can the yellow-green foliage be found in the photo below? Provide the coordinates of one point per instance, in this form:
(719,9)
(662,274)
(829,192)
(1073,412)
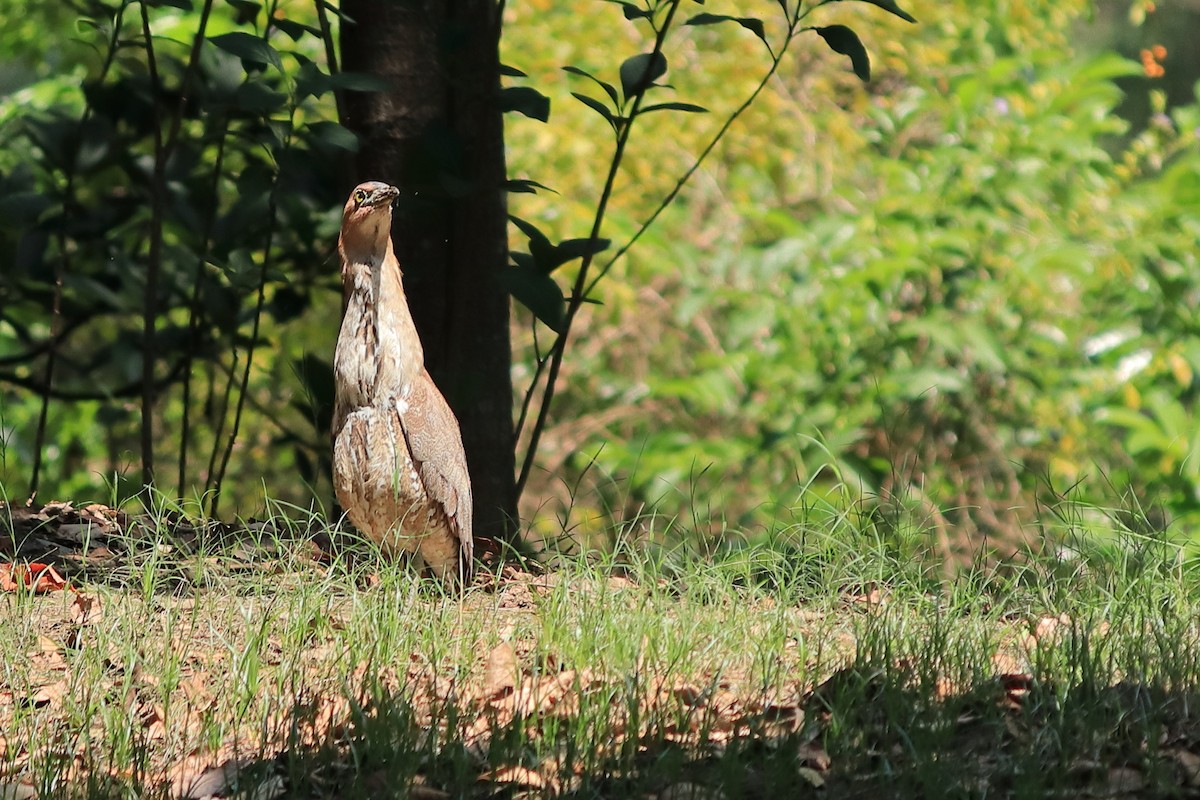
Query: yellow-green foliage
(912,285)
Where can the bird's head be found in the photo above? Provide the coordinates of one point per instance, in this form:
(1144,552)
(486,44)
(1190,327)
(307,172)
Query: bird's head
(367,219)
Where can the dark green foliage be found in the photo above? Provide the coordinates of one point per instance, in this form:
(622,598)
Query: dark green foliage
(245,187)
(845,41)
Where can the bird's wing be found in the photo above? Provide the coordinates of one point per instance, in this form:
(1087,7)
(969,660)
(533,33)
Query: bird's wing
(436,447)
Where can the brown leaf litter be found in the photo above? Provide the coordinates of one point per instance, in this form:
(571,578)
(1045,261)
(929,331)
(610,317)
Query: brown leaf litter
(514,688)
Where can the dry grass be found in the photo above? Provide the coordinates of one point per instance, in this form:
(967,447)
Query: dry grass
(270,660)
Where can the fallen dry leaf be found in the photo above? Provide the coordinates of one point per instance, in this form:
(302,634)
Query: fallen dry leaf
(500,675)
(541,696)
(522,776)
(689,695)
(319,719)
(1051,628)
(153,719)
(87,609)
(197,779)
(47,645)
(1005,663)
(876,598)
(36,577)
(45,695)
(1189,766)
(1016,688)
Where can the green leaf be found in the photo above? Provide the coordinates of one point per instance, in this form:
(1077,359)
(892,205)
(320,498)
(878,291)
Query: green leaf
(257,97)
(311,80)
(688,107)
(248,48)
(525,100)
(294,29)
(337,12)
(751,24)
(288,303)
(246,11)
(890,5)
(571,249)
(539,246)
(525,186)
(846,42)
(538,292)
(95,143)
(360,82)
(598,107)
(334,135)
(638,72)
(632,10)
(608,88)
(511,72)
(547,257)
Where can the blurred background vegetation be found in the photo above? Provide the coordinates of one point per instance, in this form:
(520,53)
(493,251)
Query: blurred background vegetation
(951,299)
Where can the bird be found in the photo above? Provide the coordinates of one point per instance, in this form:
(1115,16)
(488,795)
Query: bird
(399,466)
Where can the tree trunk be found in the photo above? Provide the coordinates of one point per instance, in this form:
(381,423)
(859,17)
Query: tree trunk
(439,136)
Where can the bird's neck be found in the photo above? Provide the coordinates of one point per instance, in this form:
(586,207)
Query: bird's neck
(378,353)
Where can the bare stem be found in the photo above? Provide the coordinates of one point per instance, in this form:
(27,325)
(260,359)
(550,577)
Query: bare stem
(210,484)
(272,220)
(583,288)
(195,309)
(153,266)
(62,267)
(330,55)
(576,299)
(776,60)
(185,84)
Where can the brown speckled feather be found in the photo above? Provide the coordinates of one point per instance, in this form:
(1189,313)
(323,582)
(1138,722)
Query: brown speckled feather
(440,458)
(399,467)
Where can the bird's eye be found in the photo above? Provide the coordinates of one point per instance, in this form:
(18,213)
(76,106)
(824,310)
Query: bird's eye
(359,196)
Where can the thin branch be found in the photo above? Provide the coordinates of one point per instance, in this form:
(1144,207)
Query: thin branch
(254,331)
(153,266)
(576,299)
(270,414)
(528,400)
(185,83)
(272,220)
(62,266)
(584,289)
(42,347)
(195,309)
(219,429)
(330,56)
(687,176)
(128,390)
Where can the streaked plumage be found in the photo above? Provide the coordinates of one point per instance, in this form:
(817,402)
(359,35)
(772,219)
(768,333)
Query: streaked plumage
(399,469)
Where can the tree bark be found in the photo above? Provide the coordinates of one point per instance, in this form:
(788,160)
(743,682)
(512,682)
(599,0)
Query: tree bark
(438,135)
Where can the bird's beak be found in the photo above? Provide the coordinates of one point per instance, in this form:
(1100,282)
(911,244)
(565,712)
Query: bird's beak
(385,196)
